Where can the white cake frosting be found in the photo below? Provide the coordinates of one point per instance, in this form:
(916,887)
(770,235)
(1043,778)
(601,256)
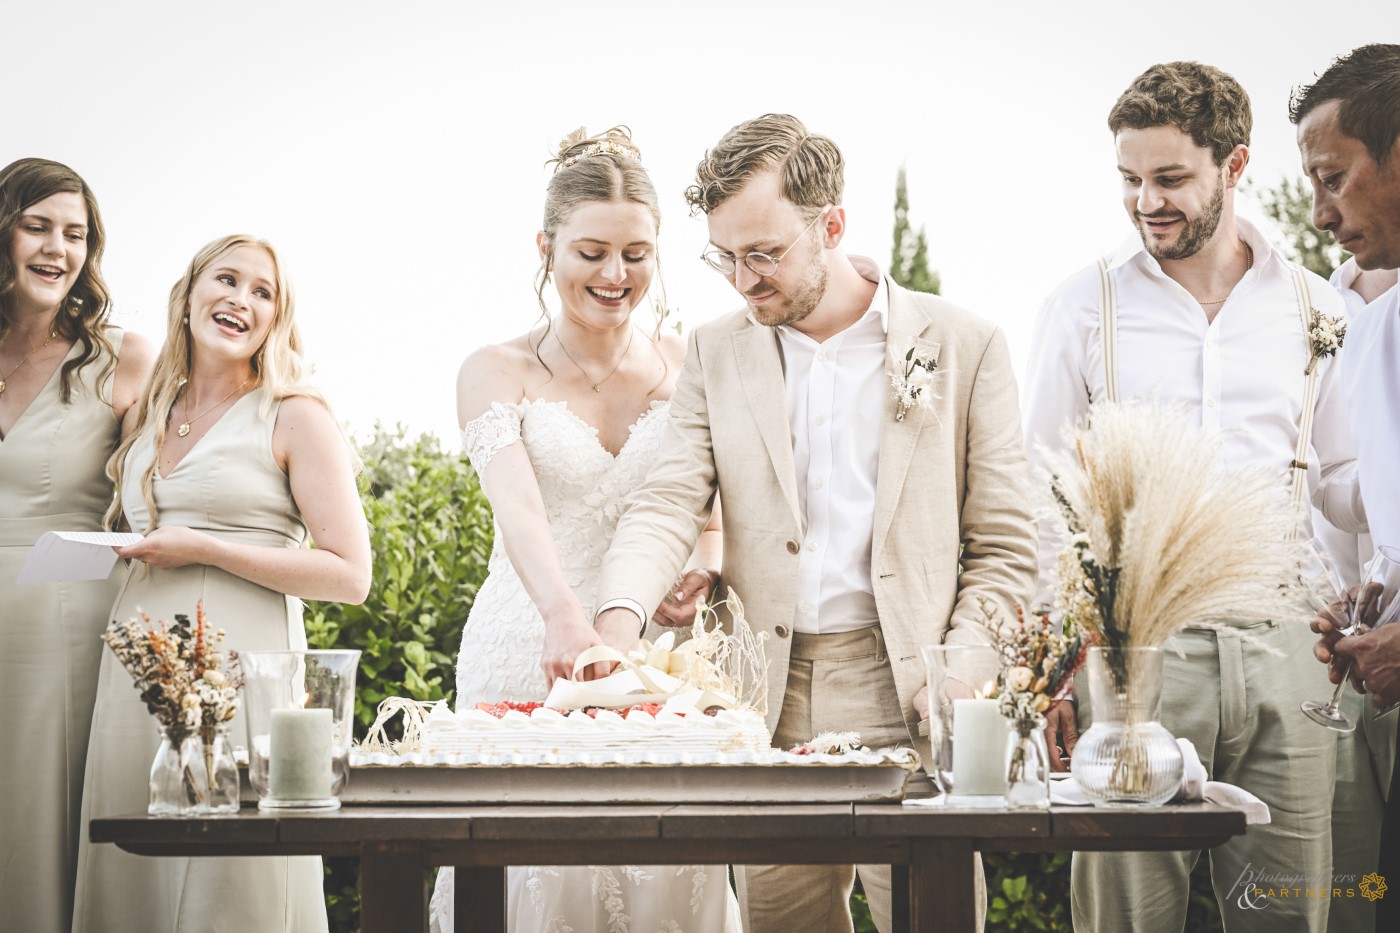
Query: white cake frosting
(601,732)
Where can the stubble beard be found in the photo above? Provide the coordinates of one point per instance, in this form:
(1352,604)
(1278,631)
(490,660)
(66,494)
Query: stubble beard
(1195,234)
(799,302)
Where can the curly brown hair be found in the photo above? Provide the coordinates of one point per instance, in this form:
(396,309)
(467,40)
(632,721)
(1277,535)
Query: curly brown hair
(811,166)
(1366,81)
(1203,102)
(83,316)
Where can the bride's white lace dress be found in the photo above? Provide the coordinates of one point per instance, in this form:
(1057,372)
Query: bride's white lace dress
(583,487)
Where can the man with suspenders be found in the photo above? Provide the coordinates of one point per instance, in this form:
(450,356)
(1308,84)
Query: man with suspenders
(1200,311)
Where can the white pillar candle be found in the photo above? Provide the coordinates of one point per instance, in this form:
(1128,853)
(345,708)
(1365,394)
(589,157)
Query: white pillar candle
(979,748)
(299,754)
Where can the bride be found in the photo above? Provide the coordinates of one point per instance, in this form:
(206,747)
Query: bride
(561,424)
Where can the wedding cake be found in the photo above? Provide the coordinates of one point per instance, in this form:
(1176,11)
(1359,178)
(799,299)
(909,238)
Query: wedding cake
(663,703)
(675,732)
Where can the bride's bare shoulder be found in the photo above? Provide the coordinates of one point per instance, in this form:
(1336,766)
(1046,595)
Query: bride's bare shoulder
(497,372)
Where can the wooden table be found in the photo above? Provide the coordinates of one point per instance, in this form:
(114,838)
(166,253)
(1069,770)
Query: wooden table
(931,849)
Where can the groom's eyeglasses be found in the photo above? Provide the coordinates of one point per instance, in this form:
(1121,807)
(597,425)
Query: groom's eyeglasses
(758,263)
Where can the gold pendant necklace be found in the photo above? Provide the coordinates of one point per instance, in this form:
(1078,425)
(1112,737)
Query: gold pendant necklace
(1249,264)
(32,350)
(184,427)
(598,386)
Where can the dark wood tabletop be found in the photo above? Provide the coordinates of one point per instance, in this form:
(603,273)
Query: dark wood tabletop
(932,850)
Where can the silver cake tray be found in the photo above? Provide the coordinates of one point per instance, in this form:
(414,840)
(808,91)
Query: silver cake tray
(777,777)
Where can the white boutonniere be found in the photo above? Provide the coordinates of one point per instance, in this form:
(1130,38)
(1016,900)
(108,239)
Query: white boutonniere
(1325,338)
(913,382)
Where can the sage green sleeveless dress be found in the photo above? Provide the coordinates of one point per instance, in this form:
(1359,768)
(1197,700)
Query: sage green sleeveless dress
(52,478)
(229,486)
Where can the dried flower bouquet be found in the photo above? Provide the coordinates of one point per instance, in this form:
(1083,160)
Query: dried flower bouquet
(185,679)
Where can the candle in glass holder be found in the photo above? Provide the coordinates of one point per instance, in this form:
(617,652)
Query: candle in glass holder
(299,756)
(979,749)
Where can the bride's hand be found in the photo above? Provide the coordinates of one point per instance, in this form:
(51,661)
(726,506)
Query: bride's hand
(678,608)
(564,640)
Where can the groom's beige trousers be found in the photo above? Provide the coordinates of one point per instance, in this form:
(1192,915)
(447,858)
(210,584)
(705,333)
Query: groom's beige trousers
(836,683)
(1238,704)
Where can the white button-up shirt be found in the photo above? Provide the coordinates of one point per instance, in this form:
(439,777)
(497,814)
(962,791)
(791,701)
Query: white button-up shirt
(1343,277)
(1370,364)
(1240,374)
(835,394)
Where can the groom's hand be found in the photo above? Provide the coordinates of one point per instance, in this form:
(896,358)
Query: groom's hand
(677,610)
(921,702)
(617,628)
(1061,730)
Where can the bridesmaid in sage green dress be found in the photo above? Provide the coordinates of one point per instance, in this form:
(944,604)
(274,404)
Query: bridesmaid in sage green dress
(229,461)
(66,379)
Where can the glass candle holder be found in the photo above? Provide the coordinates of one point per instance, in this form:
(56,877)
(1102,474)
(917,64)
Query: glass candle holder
(966,730)
(301,708)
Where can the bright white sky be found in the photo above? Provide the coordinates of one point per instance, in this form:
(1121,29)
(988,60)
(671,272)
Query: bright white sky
(394,150)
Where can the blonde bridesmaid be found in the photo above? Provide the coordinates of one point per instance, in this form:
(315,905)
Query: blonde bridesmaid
(229,463)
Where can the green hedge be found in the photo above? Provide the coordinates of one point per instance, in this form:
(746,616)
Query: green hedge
(431,533)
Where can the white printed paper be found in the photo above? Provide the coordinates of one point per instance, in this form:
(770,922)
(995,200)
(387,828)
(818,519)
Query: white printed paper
(60,556)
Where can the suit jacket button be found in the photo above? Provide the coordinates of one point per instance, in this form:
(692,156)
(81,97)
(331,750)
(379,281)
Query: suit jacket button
(793,547)
(781,631)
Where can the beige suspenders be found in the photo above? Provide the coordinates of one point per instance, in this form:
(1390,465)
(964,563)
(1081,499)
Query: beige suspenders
(1108,329)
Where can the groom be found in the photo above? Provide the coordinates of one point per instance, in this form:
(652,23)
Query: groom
(844,511)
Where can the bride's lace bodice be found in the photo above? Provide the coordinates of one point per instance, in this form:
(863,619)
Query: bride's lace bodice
(583,487)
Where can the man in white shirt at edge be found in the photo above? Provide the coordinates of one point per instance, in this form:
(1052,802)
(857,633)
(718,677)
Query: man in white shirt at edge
(1366,756)
(843,515)
(1208,317)
(1349,138)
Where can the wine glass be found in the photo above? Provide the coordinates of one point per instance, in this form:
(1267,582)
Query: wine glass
(1372,603)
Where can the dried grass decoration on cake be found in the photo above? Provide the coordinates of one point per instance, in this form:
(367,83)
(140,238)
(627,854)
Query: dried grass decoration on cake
(192,689)
(710,669)
(1161,535)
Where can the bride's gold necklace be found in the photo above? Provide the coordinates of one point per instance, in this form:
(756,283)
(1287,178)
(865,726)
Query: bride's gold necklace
(598,386)
(25,359)
(184,427)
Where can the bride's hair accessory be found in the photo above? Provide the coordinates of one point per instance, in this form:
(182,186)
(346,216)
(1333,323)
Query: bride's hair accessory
(601,147)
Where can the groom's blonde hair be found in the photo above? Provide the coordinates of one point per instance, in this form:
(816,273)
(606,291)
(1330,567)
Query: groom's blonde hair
(810,166)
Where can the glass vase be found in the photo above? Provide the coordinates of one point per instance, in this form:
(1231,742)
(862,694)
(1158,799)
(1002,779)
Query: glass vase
(1126,758)
(193,773)
(1027,764)
(301,707)
(220,771)
(966,730)
(171,792)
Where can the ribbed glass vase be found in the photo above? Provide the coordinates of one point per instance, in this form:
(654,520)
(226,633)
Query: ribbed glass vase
(1126,758)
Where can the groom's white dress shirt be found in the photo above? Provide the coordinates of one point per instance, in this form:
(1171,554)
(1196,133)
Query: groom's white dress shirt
(835,396)
(1240,374)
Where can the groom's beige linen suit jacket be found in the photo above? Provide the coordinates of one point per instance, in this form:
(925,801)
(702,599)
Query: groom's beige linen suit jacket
(952,476)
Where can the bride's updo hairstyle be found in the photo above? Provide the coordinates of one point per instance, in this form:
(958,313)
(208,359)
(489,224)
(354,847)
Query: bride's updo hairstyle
(605,167)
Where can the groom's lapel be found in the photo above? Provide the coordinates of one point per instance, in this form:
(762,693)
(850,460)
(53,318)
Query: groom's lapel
(908,321)
(761,371)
